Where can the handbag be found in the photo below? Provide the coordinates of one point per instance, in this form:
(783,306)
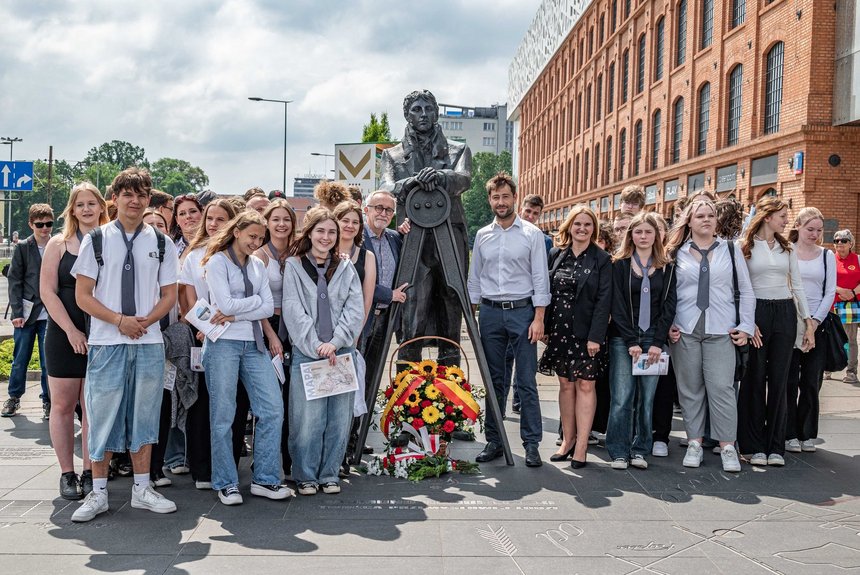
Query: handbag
(834,337)
(742,352)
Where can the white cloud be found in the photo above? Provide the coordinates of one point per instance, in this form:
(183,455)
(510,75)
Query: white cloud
(174,77)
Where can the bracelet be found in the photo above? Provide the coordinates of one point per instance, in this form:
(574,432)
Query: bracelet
(119,323)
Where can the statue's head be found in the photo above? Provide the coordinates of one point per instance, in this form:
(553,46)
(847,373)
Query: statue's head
(421,110)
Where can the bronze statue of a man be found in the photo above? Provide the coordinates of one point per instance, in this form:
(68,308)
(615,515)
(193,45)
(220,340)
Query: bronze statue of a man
(426,159)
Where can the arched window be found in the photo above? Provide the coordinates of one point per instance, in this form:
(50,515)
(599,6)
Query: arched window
(625,75)
(736,79)
(637,147)
(585,165)
(677,130)
(773,88)
(658,48)
(613,17)
(681,40)
(578,113)
(626,8)
(655,139)
(598,98)
(622,153)
(739,12)
(704,118)
(608,154)
(597,159)
(610,89)
(588,107)
(640,72)
(707,22)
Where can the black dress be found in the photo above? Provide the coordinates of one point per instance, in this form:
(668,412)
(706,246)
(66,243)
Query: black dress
(567,355)
(359,263)
(61,359)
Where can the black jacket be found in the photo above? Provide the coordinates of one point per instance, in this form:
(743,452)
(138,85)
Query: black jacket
(624,325)
(593,296)
(23,279)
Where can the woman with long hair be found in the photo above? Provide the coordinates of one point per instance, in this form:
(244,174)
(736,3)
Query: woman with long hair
(323,308)
(575,324)
(65,335)
(847,288)
(818,272)
(643,308)
(187,211)
(280,235)
(239,291)
(778,287)
(706,329)
(350,220)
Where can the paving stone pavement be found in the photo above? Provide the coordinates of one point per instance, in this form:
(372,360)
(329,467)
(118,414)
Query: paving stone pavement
(803,518)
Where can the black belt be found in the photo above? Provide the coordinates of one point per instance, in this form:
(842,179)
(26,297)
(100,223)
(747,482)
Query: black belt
(507,304)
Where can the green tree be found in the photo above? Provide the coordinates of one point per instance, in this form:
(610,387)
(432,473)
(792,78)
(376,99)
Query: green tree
(377,130)
(178,177)
(118,153)
(60,187)
(485,165)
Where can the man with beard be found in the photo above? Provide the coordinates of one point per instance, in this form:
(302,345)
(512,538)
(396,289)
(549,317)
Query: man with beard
(510,279)
(425,159)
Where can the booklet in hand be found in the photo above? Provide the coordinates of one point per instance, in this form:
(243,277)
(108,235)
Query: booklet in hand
(642,367)
(200,315)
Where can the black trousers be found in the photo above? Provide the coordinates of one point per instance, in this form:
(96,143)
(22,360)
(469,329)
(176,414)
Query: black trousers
(156,458)
(762,405)
(804,383)
(601,412)
(198,441)
(664,405)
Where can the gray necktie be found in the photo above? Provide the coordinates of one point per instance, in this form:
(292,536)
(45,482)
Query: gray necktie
(325,331)
(249,291)
(644,294)
(129,308)
(704,295)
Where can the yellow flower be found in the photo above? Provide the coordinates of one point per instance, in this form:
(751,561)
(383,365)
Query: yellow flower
(454,373)
(412,399)
(430,415)
(427,367)
(432,392)
(402,377)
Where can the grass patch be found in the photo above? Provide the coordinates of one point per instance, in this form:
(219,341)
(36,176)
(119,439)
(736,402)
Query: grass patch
(7,349)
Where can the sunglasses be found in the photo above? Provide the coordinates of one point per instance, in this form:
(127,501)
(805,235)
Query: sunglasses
(839,241)
(41,225)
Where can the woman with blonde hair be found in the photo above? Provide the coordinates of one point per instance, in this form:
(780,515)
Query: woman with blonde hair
(845,303)
(818,273)
(708,324)
(324,311)
(778,287)
(65,337)
(575,323)
(643,308)
(239,291)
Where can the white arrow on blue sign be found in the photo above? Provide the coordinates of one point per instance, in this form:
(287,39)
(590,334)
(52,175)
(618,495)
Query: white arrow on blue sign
(16,176)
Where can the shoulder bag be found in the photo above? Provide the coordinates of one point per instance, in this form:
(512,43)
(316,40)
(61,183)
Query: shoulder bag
(834,337)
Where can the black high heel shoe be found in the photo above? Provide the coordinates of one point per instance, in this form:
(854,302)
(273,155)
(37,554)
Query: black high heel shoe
(577,464)
(562,456)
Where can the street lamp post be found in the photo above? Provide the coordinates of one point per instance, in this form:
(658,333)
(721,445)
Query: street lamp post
(11,143)
(325,160)
(7,207)
(284,102)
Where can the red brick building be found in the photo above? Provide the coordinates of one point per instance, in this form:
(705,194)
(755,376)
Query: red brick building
(732,96)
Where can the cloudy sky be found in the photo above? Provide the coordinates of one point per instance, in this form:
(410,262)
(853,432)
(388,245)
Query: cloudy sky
(174,76)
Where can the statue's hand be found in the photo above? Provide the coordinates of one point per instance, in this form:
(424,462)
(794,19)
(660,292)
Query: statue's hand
(427,176)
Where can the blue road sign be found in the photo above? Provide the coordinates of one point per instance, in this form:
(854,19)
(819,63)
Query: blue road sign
(16,176)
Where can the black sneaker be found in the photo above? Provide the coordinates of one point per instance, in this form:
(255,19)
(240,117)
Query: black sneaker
(230,495)
(70,486)
(86,482)
(46,410)
(11,407)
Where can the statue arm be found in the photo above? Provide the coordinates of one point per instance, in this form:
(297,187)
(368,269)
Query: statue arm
(458,179)
(389,182)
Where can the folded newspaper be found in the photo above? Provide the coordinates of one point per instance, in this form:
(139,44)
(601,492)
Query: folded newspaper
(200,315)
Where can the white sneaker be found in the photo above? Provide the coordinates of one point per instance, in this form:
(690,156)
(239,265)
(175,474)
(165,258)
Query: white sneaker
(330,488)
(179,469)
(775,460)
(96,502)
(717,449)
(638,462)
(729,456)
(758,459)
(694,455)
(793,445)
(660,449)
(593,438)
(808,445)
(149,498)
(619,463)
(271,491)
(203,484)
(230,495)
(162,481)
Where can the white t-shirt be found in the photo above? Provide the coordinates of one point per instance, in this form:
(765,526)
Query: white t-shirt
(149,278)
(192,272)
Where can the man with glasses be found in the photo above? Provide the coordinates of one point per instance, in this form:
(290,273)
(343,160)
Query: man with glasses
(162,202)
(29,317)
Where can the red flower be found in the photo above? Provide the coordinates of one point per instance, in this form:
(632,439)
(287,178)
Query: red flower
(389,392)
(467,387)
(449,409)
(448,426)
(441,369)
(417,423)
(398,450)
(426,403)
(414,410)
(390,460)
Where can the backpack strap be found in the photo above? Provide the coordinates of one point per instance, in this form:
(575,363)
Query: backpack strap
(96,236)
(731,246)
(159,236)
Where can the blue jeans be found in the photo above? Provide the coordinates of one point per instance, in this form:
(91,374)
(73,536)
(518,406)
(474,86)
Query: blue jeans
(632,397)
(123,396)
(175,450)
(319,429)
(225,362)
(24,338)
(499,329)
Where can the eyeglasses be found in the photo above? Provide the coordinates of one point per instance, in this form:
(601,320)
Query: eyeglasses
(380,209)
(41,225)
(836,241)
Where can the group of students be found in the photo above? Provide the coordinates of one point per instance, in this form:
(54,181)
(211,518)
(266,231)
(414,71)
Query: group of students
(115,290)
(710,284)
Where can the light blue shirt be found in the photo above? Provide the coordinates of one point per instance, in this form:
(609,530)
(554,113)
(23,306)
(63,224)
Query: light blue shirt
(509,264)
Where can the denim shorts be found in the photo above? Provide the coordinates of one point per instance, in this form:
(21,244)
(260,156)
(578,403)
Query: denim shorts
(123,393)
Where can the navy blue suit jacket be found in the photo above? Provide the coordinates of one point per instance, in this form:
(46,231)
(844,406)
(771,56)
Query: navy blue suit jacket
(381,293)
